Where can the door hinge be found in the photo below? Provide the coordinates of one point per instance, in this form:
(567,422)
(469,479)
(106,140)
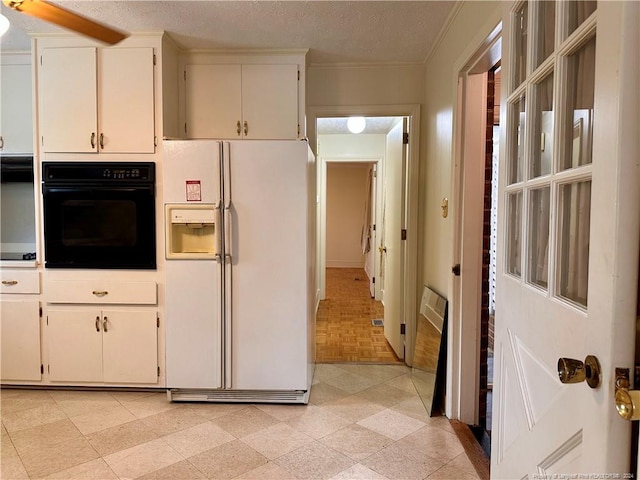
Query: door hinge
(403,328)
(40,311)
(158,322)
(373,280)
(456,269)
(48,368)
(298,75)
(374,227)
(185,127)
(158,370)
(154,59)
(41,369)
(155,140)
(47,320)
(298,129)
(403,234)
(185,75)
(405,138)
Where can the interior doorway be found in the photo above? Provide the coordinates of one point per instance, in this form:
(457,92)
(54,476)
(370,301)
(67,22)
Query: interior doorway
(352,249)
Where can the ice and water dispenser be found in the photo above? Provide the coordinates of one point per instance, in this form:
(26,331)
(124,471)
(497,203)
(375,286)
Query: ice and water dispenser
(191,231)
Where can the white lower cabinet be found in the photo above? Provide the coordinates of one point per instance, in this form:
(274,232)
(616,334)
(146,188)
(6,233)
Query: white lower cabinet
(20,340)
(102,345)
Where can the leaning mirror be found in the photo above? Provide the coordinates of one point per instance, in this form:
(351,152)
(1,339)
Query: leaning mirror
(428,374)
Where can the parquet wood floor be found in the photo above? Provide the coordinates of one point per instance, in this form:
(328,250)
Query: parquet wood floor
(344,332)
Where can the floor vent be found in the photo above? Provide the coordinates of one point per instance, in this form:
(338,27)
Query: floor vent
(377,322)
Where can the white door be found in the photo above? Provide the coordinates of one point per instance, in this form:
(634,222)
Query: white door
(568,235)
(392,248)
(16,112)
(20,340)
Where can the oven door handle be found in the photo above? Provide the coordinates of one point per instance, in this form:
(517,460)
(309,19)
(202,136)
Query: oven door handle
(51,189)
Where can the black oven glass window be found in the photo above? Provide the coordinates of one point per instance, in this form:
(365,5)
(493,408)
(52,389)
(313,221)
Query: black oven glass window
(99,223)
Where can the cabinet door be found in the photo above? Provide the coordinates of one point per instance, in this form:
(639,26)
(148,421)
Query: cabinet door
(270,101)
(130,346)
(126,100)
(213,101)
(20,340)
(75,345)
(16,109)
(68,106)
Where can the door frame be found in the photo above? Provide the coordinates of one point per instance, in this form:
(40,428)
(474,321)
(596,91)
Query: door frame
(322,226)
(463,343)
(412,111)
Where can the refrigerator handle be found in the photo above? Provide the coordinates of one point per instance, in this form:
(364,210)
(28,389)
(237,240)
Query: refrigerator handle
(226,171)
(217,254)
(228,234)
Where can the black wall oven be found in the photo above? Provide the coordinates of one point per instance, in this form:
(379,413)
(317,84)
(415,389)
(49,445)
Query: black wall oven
(99,215)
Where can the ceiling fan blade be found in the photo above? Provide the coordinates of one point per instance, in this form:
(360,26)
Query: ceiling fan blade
(67,19)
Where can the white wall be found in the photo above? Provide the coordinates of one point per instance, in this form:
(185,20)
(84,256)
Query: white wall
(346,196)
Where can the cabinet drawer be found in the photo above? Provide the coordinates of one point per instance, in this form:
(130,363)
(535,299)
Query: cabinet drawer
(19,281)
(102,292)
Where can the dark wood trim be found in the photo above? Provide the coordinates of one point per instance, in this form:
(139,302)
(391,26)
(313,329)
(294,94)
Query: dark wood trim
(472,448)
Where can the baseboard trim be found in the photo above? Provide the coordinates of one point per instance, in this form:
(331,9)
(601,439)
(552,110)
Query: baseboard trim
(473,449)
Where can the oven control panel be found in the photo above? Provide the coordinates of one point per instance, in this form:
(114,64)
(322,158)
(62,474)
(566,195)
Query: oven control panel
(102,172)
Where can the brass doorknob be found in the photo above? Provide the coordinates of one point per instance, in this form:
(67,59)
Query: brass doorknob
(382,249)
(571,370)
(627,401)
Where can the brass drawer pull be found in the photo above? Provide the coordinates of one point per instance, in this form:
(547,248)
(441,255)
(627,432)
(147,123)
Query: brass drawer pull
(97,323)
(10,283)
(100,293)
(104,324)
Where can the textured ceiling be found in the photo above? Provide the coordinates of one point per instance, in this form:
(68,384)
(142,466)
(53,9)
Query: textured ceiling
(335,32)
(332,126)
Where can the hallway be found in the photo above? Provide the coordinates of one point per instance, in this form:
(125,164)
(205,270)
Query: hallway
(362,422)
(344,332)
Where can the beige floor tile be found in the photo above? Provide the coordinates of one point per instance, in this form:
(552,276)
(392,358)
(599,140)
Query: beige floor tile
(23,419)
(277,440)
(394,463)
(173,420)
(268,471)
(459,468)
(131,396)
(358,472)
(44,435)
(435,442)
(385,395)
(414,408)
(194,440)
(323,393)
(182,470)
(93,470)
(11,468)
(351,383)
(326,371)
(353,408)
(214,410)
(79,403)
(314,461)
(60,396)
(17,400)
(149,405)
(99,420)
(244,422)
(356,442)
(228,460)
(142,459)
(377,373)
(121,437)
(392,424)
(318,422)
(282,412)
(51,458)
(403,382)
(6,446)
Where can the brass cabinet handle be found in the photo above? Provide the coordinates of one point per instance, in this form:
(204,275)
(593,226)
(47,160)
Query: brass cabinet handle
(571,370)
(1,142)
(93,139)
(246,128)
(238,128)
(9,283)
(100,293)
(104,324)
(97,323)
(102,141)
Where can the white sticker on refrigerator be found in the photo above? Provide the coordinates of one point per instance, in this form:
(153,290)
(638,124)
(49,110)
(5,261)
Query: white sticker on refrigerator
(194,191)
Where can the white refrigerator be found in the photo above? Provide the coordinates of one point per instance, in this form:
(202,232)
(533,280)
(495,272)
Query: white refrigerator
(240,325)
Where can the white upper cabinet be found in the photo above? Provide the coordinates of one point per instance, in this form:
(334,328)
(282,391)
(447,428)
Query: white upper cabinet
(253,101)
(97,100)
(16,121)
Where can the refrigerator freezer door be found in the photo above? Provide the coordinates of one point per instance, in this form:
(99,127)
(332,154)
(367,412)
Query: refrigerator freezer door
(268,257)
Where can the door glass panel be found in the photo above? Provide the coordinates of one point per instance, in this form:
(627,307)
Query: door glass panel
(573,253)
(543,128)
(579,108)
(514,226)
(579,11)
(517,110)
(520,46)
(538,246)
(545,33)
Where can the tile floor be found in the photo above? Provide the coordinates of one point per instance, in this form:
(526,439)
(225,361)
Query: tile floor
(362,422)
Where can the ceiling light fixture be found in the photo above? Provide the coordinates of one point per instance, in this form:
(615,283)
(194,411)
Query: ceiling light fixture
(4,24)
(356,124)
